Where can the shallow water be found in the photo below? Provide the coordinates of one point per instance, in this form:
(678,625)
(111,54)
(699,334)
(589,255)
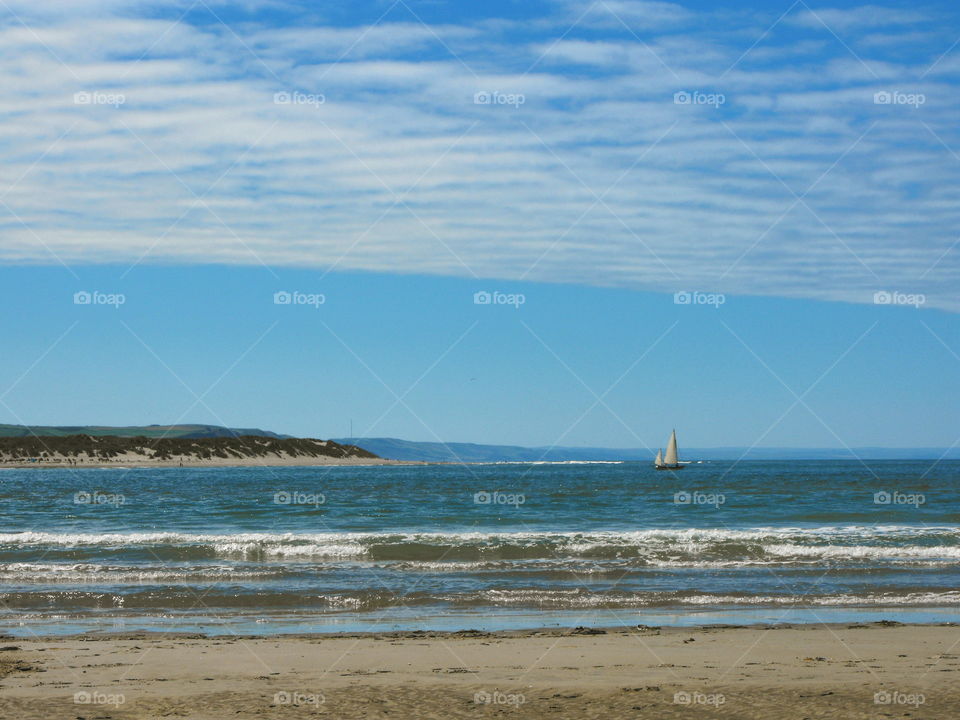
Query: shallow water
(505,545)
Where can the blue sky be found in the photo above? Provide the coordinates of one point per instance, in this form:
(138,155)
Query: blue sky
(797,161)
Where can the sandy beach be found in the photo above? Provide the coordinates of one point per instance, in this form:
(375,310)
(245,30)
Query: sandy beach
(844,671)
(139,461)
(220,451)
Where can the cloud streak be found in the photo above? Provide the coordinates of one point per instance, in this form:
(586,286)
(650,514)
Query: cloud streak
(784,173)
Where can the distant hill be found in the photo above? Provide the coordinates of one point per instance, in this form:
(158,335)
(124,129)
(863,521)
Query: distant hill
(148,431)
(396,449)
(84,449)
(450,452)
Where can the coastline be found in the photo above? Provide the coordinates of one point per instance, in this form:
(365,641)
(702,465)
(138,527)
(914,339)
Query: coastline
(36,634)
(265,461)
(825,671)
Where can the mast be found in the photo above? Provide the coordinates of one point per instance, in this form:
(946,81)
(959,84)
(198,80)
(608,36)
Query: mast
(671,458)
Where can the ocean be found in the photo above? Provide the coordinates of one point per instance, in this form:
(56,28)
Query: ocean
(444,547)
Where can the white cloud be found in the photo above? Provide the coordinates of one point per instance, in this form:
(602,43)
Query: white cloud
(859,18)
(636,14)
(399,170)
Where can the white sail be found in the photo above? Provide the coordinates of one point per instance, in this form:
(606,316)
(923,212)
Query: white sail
(671,458)
(659,460)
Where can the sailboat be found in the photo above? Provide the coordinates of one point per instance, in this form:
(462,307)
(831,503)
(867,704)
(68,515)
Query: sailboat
(669,461)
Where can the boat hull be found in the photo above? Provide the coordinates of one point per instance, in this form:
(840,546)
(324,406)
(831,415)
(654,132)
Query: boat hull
(669,467)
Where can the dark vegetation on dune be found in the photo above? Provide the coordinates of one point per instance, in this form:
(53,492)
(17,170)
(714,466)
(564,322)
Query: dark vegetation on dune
(90,448)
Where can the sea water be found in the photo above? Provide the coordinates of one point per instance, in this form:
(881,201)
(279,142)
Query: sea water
(268,549)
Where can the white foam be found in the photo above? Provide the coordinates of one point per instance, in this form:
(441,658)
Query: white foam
(918,598)
(667,547)
(552,462)
(92,572)
(864,552)
(601,536)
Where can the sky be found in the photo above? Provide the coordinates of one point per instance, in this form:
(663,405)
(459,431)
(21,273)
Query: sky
(537,223)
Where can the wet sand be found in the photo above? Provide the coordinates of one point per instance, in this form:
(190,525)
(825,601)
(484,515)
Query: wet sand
(815,671)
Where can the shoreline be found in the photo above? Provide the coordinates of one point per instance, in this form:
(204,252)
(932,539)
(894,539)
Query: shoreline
(748,673)
(545,631)
(255,623)
(219,463)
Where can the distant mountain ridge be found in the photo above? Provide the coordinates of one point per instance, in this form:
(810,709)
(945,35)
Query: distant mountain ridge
(397,449)
(186,432)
